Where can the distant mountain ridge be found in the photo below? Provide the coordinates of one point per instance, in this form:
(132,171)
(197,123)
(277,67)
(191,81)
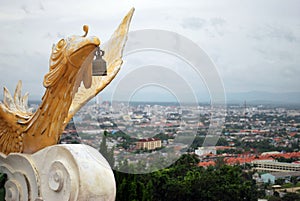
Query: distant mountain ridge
(260,97)
(251,97)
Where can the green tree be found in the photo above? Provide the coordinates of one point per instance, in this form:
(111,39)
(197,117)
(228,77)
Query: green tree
(279,181)
(148,191)
(291,197)
(294,180)
(184,180)
(107,154)
(220,162)
(3,179)
(222,142)
(274,198)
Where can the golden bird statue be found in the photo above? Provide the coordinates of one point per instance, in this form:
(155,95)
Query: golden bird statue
(69,86)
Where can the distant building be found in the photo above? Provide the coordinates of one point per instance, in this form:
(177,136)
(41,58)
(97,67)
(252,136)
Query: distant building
(148,144)
(272,177)
(270,153)
(205,151)
(70,135)
(272,166)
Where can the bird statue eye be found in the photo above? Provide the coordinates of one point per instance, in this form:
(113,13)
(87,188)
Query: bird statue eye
(61,43)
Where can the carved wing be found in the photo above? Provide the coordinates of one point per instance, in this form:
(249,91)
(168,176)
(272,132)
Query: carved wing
(12,112)
(113,57)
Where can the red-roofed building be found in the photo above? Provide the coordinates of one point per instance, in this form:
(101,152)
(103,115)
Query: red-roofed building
(148,144)
(250,158)
(206,164)
(224,147)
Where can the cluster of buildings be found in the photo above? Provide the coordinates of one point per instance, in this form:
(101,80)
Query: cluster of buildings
(249,130)
(277,125)
(141,122)
(155,126)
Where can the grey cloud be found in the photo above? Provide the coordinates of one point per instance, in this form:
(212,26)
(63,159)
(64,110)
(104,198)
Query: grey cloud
(218,24)
(33,6)
(292,71)
(285,56)
(48,35)
(281,33)
(193,23)
(217,21)
(41,5)
(272,32)
(212,27)
(25,9)
(60,35)
(251,52)
(8,54)
(196,23)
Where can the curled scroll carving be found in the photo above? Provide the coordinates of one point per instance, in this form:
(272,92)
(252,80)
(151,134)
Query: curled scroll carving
(12,190)
(21,177)
(60,172)
(56,176)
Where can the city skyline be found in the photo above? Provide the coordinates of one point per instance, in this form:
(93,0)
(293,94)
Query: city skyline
(255,45)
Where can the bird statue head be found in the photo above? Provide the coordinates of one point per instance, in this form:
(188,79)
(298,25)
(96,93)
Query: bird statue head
(72,57)
(70,84)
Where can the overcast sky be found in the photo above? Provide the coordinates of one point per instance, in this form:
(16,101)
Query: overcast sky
(255,44)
